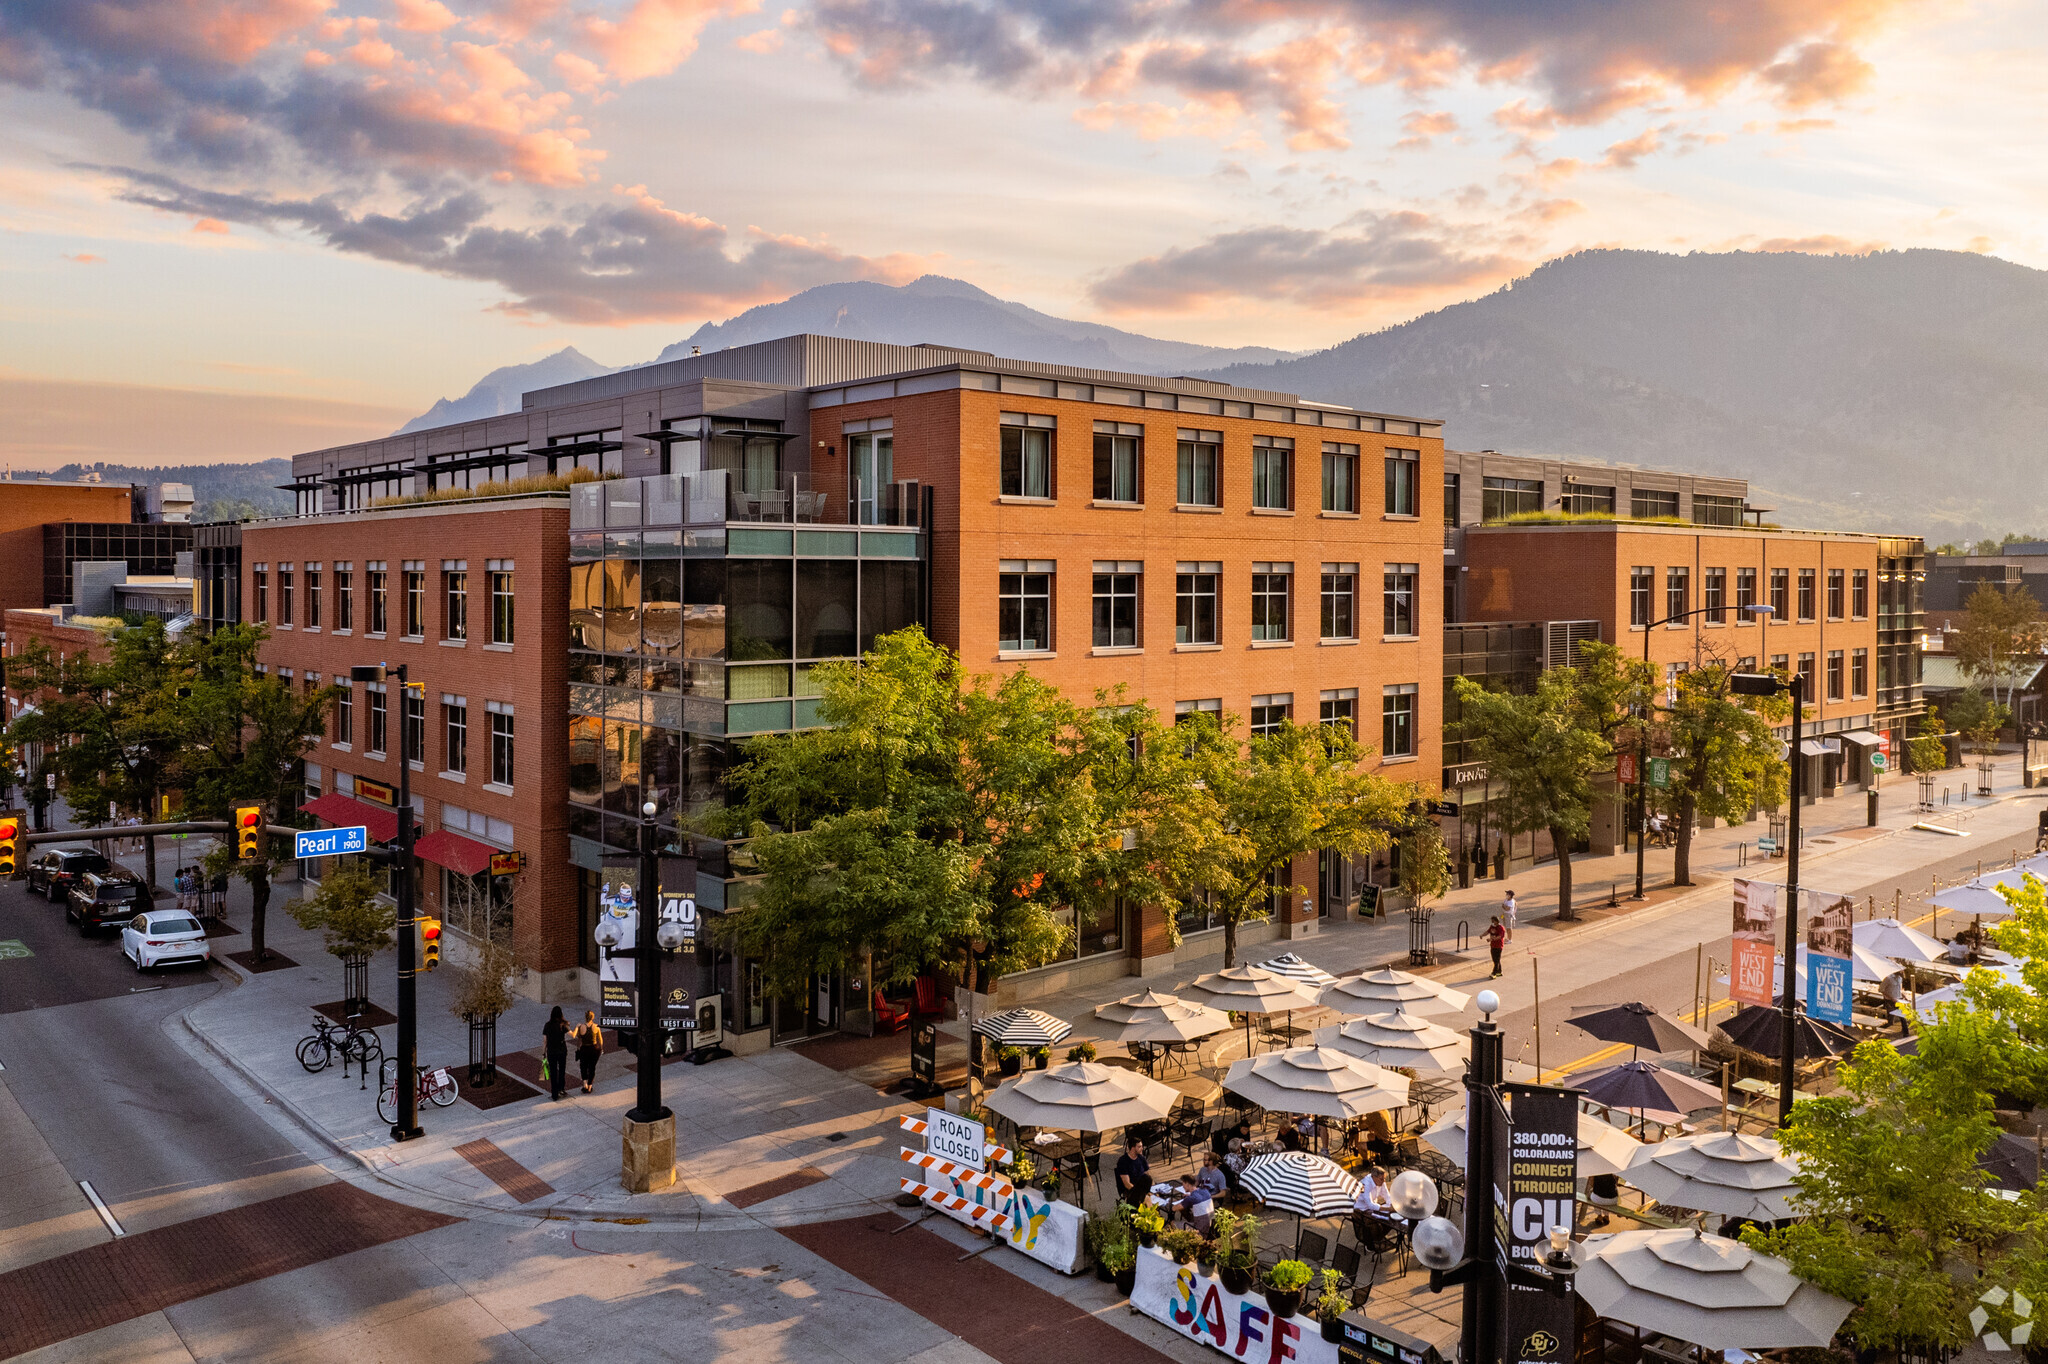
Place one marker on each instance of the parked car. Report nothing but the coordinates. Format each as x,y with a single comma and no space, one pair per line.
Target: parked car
100,898
164,937
52,872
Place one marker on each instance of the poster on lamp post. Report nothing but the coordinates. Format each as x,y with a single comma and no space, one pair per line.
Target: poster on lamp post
1535,1188
1750,964
618,902
1829,941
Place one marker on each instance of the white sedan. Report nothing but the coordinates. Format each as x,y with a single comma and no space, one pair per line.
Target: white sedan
160,937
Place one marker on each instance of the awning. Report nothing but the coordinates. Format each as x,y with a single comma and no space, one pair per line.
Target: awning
1864,737
1814,748
464,856
343,812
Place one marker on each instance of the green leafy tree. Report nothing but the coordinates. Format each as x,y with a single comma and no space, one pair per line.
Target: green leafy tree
1978,718
347,912
2000,629
1724,755
1425,864
1924,749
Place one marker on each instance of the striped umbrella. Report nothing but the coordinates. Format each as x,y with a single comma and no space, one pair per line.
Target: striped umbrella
1023,1028
1297,1182
1292,967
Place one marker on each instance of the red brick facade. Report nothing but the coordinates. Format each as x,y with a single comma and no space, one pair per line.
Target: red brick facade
24,509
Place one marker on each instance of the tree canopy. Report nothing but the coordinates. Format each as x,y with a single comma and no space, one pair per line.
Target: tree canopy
1999,629
1724,755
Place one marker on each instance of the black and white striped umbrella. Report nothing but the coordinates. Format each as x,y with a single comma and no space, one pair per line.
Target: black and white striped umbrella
1023,1028
1292,967
1303,1184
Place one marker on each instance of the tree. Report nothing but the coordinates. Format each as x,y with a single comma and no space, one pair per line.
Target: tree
484,986
1979,718
1999,629
347,911
1724,755
1924,749
1425,864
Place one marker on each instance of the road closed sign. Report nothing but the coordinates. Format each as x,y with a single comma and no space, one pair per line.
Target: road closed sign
952,1137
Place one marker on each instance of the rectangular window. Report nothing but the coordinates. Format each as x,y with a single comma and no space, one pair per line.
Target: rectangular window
1806,593
1500,498
1273,473
1745,596
1834,674
1024,605
1271,587
1453,495
312,596
1835,593
1403,468
455,599
1806,671
1859,673
1642,585
1198,469
378,718
1195,616
1859,593
455,733
415,599
501,744
259,591
1117,448
1746,664
1397,599
1677,591
1340,477
1212,707
1397,721
1780,663
413,724
1649,503
501,600
345,714
1117,597
1716,511
1027,455
344,596
1340,707
1340,601
1781,594
284,594
1271,712
1587,499
1714,594
376,579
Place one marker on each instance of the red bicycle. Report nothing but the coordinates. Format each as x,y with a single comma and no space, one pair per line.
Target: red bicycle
435,1086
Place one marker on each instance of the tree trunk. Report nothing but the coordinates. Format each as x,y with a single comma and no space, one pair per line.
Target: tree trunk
1229,943
1681,861
259,900
149,861
1561,841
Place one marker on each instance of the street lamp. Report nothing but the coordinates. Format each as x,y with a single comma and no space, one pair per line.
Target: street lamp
408,1053
1770,684
1643,734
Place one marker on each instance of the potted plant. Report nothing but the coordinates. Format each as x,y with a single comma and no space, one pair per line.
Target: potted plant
1022,1170
1148,1222
1099,1235
1084,1052
1181,1245
1205,1258
1010,1060
1237,1240
1283,1288
1332,1305
1122,1263
1041,1057
1049,1178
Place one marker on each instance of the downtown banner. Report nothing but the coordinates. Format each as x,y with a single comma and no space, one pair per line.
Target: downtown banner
1754,955
1830,939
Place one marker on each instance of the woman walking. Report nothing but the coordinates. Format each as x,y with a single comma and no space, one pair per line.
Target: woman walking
1496,938
556,1037
589,1046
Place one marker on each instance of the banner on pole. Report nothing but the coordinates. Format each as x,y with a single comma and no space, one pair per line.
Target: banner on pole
618,902
1756,920
1535,1188
1829,941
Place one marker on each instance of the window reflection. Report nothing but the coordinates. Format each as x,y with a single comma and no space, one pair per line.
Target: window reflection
825,607
757,597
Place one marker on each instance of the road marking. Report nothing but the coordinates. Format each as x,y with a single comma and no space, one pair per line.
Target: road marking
13,949
100,1206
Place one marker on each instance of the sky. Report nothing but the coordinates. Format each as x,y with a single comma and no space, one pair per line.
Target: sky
232,229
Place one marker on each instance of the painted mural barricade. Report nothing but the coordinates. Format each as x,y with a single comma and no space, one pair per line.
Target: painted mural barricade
1197,1306
1047,1230
951,1175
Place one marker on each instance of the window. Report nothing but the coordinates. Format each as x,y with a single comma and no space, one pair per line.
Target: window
455,598
1745,596
1271,712
1271,584
1340,601
345,714
1340,477
375,578
501,743
1024,606
1212,707
1746,664
1714,594
1835,593
1716,511
1859,673
870,470
455,733
284,594
1586,499
1453,492
377,718
1397,721
259,590
1402,470
1642,583
312,596
1197,469
1340,707
412,715
1805,670
1645,503
500,582
1117,447
1500,498
1834,674
1806,587
1027,455
1194,604
1859,593
1397,599
1116,603
1781,594
1273,473
344,595
1781,664
1677,591
415,599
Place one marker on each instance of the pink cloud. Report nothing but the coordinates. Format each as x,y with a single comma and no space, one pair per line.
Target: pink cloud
212,225
87,258
374,53
1423,128
763,42
424,16
655,36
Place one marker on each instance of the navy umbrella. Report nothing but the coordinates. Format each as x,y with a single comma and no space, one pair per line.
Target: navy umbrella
1648,1089
1638,1026
1759,1028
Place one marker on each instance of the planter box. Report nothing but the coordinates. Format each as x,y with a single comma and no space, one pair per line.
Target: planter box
1196,1306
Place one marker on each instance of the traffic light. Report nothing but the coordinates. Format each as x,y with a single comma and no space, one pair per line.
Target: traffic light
249,832
10,843
430,943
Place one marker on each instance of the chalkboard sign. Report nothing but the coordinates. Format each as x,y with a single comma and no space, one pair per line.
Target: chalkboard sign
924,1054
1368,898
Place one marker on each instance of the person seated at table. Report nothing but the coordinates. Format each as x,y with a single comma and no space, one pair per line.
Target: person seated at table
1221,1140
1375,1136
1133,1172
1194,1205
1373,1199
1310,1131
1212,1176
1290,1137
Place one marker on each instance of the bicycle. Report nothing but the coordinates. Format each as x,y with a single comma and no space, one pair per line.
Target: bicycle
434,1086
358,1044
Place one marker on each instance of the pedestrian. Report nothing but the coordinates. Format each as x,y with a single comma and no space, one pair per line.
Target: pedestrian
589,1046
1496,939
1133,1172
556,1037
1507,914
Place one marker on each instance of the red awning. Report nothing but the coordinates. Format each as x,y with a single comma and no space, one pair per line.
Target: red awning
464,856
343,812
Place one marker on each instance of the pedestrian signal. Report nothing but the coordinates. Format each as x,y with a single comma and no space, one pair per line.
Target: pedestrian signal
249,832
429,943
10,844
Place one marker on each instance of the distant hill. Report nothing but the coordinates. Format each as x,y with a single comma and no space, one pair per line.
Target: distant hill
1904,390
498,392
221,492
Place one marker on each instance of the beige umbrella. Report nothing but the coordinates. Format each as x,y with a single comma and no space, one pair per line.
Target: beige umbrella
1723,1172
1379,991
1081,1096
1899,942
1707,1290
1318,1081
1398,1039
1604,1149
1249,990
1154,1017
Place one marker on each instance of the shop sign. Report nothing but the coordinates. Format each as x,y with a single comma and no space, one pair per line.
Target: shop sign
376,791
508,863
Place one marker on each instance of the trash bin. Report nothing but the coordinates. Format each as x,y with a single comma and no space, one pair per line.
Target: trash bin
1871,817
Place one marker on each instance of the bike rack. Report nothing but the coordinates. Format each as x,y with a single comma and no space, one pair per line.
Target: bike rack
1464,936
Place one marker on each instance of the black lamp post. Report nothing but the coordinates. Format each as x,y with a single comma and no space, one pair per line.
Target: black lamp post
408,1051
1769,684
650,1145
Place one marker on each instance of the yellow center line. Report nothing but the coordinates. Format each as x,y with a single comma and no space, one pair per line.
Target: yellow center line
1608,1053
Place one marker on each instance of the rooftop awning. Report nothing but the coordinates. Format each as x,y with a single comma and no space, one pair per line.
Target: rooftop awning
739,434
347,476
1864,737
464,856
667,436
580,447
342,812
461,462
1814,748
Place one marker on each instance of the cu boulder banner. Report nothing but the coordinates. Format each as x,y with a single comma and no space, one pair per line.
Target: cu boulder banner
1535,1188
1830,939
618,901
1756,920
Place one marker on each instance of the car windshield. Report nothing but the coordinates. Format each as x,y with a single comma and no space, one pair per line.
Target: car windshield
174,926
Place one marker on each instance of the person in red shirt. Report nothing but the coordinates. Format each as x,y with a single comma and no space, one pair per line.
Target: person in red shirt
1496,938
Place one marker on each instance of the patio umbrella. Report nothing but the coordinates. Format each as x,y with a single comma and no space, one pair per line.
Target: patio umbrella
1707,1290
2013,1163
1153,1017
1723,1172
1292,967
1384,989
1949,994
1897,941
1637,1026
1318,1081
1646,1089
1023,1028
1980,897
1081,1096
1604,1149
1303,1184
1249,990
1398,1039
1758,1028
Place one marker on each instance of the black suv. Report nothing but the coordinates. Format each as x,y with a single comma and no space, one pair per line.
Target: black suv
53,872
102,898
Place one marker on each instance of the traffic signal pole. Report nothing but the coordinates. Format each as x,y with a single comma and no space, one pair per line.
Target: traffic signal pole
408,1125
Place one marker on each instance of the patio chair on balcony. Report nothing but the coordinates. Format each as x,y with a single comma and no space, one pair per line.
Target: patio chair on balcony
774,505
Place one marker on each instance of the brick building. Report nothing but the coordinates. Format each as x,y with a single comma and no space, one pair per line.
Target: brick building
27,507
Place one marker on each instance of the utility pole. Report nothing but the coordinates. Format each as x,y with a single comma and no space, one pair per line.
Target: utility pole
408,1050
1787,1026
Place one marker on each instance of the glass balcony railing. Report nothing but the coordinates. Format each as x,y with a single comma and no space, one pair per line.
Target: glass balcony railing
711,498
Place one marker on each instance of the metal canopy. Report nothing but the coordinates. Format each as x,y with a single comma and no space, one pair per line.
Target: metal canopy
449,466
581,447
777,436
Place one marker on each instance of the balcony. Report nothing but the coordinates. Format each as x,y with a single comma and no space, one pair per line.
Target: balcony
718,497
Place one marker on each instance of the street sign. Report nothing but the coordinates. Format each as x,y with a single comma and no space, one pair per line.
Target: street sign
955,1138
1879,762
331,842
1660,772
1767,847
